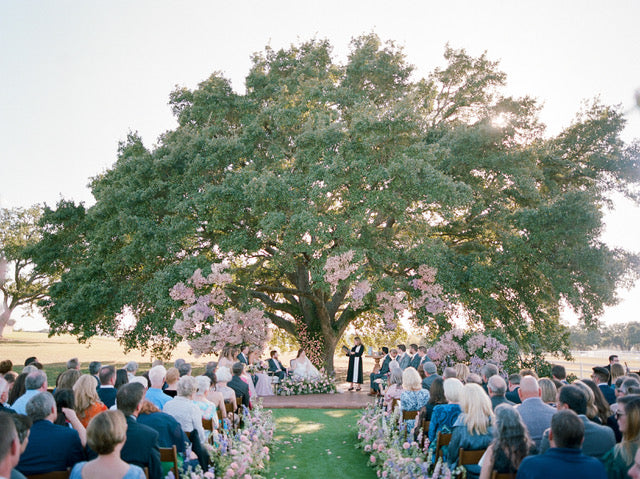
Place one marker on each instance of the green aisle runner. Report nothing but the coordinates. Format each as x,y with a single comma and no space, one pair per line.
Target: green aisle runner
317,443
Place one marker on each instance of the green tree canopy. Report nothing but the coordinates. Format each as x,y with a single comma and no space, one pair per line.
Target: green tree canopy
319,158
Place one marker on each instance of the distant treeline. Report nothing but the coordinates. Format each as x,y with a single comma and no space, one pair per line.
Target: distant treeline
616,336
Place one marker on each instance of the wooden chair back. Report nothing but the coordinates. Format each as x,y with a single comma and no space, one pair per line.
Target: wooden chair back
394,404
207,424
466,457
442,440
239,403
409,415
220,414
51,475
503,475
425,431
170,454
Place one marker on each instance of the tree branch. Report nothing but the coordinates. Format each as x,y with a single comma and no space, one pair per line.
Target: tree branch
282,323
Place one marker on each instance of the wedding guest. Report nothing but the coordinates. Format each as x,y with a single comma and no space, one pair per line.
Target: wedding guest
169,430
212,394
510,445
473,428
185,369
4,396
94,370
227,357
604,415
171,379
157,375
68,378
223,375
430,373
444,416
634,471
436,398
5,366
18,388
548,390
73,363
413,398
462,371
9,445
559,373
564,459
107,391
497,387
617,371
535,414
122,378
131,368
487,371
34,383
87,401
394,388
620,458
106,435
448,373
207,408
240,387
184,409
354,371
50,447
141,446
602,379
513,387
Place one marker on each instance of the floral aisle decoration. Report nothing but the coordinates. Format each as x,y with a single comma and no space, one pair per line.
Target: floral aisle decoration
473,348
382,436
293,385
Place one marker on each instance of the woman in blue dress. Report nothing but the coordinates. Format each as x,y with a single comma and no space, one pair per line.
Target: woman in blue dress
444,416
106,434
414,397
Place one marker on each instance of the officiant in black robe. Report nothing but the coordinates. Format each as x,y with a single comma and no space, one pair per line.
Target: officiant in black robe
354,373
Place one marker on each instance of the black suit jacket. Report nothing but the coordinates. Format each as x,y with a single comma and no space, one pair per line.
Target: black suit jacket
415,362
384,369
141,448
241,388
107,396
242,358
169,430
50,448
497,400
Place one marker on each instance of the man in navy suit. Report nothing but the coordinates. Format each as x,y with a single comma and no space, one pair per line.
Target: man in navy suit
50,447
141,447
276,367
242,357
107,391
415,359
600,376
384,370
9,445
238,385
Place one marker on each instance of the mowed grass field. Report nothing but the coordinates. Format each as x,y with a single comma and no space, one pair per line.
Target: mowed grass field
53,353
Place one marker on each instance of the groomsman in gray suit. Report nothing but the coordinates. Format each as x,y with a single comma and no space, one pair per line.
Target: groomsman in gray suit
534,413
403,358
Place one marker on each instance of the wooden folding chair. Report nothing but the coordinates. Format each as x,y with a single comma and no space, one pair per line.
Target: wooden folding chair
170,454
466,457
220,415
51,475
207,425
394,404
503,475
442,440
409,415
425,432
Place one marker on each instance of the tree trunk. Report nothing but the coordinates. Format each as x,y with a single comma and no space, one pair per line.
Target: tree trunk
329,350
5,317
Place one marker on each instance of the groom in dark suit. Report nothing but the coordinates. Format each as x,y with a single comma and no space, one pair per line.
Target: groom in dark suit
276,367
242,357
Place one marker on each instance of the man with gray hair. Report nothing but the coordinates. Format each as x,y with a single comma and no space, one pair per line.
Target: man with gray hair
73,363
131,368
9,445
184,369
431,374
50,447
154,394
448,373
535,414
35,382
486,372
497,387
94,370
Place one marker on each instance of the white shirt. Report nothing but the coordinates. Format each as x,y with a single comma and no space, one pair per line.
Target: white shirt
187,413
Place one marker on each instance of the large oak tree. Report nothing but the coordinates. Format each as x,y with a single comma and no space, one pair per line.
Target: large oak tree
318,158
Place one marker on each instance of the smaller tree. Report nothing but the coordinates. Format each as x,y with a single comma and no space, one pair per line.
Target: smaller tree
20,283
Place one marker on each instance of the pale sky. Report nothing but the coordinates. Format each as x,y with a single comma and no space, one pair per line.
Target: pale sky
76,76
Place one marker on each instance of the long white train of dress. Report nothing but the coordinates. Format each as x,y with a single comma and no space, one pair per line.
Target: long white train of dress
304,369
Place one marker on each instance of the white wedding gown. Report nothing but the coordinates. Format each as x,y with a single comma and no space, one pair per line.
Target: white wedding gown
305,370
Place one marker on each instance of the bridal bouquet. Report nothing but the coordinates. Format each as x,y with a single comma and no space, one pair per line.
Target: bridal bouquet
293,386
383,436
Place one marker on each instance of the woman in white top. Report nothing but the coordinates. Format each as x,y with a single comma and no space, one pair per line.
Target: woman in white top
184,409
303,367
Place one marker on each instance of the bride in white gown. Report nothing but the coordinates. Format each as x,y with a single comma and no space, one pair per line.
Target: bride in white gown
303,368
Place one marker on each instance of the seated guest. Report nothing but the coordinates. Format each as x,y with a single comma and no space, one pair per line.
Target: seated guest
276,367
73,363
50,447
23,427
620,458
223,376
207,408
131,368
472,430
549,392
184,369
444,416
513,387
87,401
6,365
4,396
155,395
212,395
535,414
238,385
34,383
510,445
382,373
564,459
394,388
68,379
94,370
107,391
9,445
462,371
487,371
601,376
617,372
169,430
559,373
449,373
436,398
497,387
183,409
141,446
413,398
474,378
122,378
430,373
66,413
18,388
598,440
106,434
173,375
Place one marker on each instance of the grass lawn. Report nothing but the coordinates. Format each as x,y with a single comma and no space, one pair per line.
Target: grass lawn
317,443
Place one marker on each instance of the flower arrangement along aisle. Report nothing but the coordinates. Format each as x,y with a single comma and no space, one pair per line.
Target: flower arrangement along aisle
293,386
240,454
383,436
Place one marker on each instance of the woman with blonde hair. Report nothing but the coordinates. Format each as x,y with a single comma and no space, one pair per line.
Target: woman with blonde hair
549,391
67,379
87,401
106,435
617,371
444,416
462,372
472,430
592,410
621,457
413,398
172,377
